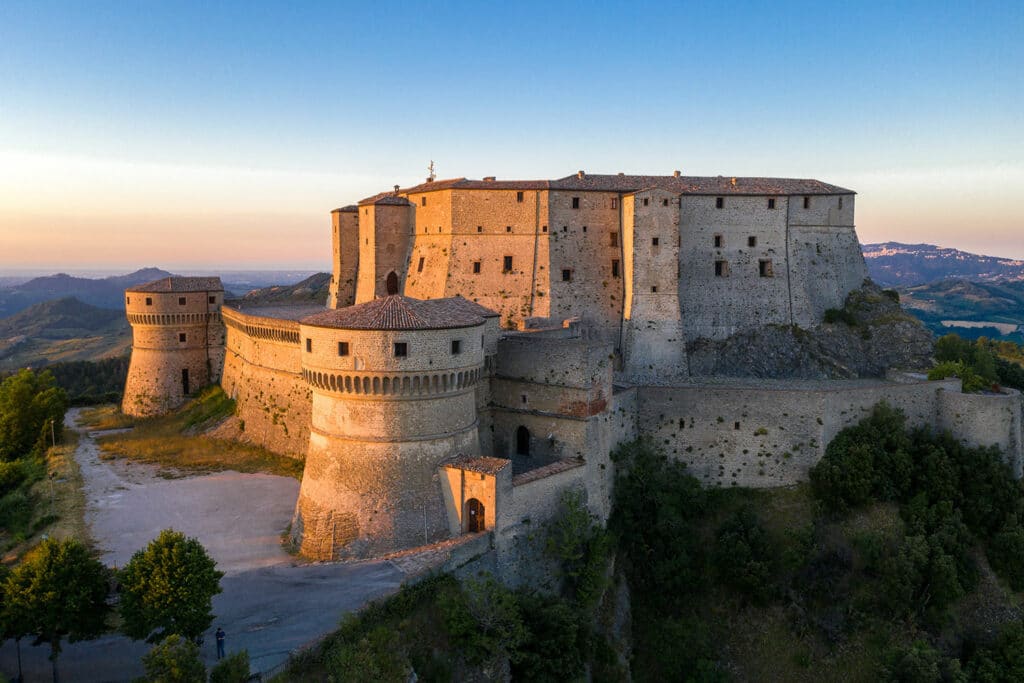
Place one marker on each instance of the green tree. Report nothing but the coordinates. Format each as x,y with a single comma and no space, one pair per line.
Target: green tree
168,587
29,403
743,554
175,660
232,669
577,540
58,591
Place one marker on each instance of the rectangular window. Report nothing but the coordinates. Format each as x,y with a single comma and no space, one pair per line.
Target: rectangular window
457,343
771,202
646,201
764,268
213,299
127,299
342,348
508,228
613,239
476,267
566,275
719,241
181,301
507,264
615,267
182,336
719,202
721,269
401,349
615,202
807,202
654,289
423,201
309,345
751,241
654,241
584,228
149,301
543,228
840,202
419,266
519,197
664,202
565,228
575,202
479,228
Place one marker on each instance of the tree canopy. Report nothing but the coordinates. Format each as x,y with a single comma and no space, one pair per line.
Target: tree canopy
29,402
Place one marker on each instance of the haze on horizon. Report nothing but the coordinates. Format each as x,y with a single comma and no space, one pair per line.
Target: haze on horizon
189,135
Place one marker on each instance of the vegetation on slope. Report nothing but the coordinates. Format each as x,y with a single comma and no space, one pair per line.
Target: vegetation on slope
62,330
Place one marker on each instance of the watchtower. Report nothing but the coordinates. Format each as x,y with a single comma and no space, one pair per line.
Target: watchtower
177,342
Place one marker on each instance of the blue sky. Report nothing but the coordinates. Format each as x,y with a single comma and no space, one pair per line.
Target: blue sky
220,134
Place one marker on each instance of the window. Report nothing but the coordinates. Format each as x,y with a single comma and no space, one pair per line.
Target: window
522,398
127,299
736,425
840,202
479,228
807,202
419,266
664,202
519,197
654,241
182,336
342,348
401,349
423,201
181,301
565,228
543,228
719,202
613,239
575,202
149,301
764,268
566,275
615,267
456,346
507,265
309,345
719,241
646,201
654,289
615,202
771,202
752,241
721,269
476,267
508,228
213,299
584,228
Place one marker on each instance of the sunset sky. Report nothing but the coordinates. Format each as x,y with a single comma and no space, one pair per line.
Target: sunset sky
220,135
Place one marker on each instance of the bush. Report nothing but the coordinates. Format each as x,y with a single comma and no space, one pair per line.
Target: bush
483,620
376,657
581,546
1005,553
556,643
917,663
11,475
232,669
840,315
1003,660
743,555
970,381
175,660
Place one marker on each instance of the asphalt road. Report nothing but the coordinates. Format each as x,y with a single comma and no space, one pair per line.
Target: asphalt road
270,605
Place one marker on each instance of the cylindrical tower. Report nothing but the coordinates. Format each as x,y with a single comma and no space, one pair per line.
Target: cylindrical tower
393,383
177,342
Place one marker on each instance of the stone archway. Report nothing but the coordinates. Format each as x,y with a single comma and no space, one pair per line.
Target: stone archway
475,516
391,283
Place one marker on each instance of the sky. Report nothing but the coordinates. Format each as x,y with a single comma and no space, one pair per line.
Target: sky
220,135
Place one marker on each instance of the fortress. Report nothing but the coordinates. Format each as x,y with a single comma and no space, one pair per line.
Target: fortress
487,344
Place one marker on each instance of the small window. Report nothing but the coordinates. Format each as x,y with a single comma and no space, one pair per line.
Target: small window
476,267
519,197
575,202
149,301
719,241
401,349
419,266
615,267
654,241
752,241
342,348
439,228
213,299
807,202
721,269
736,425
423,201
127,299
840,202
181,301
522,398
182,336
664,202
646,201
615,202
764,268
566,275
309,345
771,202
613,239
543,228
565,228
456,346
507,264
654,289
719,202
508,228
479,228
584,228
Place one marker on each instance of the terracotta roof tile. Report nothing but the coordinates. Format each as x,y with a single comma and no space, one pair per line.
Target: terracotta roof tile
483,464
180,284
403,313
716,185
384,198
351,208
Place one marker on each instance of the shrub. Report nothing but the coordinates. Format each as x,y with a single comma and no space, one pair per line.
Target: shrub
376,657
232,669
556,641
482,619
11,475
1006,554
175,660
970,381
743,554
916,663
577,540
840,315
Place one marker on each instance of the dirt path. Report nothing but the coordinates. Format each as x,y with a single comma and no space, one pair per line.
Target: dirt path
269,606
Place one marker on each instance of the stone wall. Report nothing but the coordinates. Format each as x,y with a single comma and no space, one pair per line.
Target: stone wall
344,257
986,420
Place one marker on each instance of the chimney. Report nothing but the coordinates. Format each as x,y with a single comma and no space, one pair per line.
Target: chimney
676,174
734,182
396,189
489,178
430,179
581,175
621,173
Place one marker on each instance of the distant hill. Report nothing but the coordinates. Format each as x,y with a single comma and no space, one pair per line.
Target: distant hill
893,263
61,330
105,292
971,309
312,290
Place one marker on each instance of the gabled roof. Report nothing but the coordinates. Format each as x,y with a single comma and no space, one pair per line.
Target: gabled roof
351,208
384,198
180,284
713,185
398,312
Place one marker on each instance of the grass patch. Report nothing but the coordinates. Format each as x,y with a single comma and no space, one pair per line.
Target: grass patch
104,417
175,441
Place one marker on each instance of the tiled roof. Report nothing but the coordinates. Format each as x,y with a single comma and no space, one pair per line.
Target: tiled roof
402,313
483,464
717,185
351,208
387,198
181,284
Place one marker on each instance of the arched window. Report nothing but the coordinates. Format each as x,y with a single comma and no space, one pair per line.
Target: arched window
475,516
522,441
392,283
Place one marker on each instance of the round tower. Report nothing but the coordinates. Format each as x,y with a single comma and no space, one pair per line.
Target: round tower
177,342
393,383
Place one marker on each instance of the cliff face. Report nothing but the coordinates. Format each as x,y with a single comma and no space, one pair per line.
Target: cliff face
870,335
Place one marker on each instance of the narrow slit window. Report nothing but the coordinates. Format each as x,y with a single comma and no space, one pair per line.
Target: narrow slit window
342,348
719,202
654,289
615,202
584,228
771,202
519,197
127,299
807,202
401,349
575,202
419,266
615,267
543,228
507,264
309,345
476,267
423,201
840,202
719,241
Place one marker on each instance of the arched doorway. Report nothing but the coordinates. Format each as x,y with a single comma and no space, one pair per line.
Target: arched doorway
392,283
474,516
522,441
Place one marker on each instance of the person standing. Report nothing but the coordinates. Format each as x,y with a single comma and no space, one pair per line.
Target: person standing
220,642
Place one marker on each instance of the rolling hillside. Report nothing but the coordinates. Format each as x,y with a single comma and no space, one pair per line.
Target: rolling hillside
895,264
105,292
62,330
